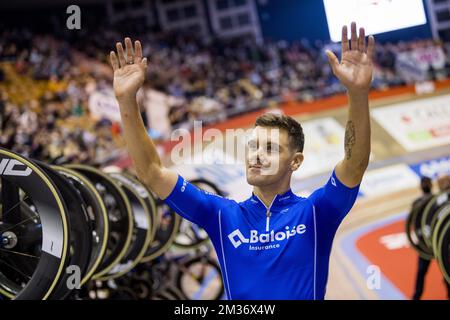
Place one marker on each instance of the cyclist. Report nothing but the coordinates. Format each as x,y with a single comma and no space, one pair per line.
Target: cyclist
274,245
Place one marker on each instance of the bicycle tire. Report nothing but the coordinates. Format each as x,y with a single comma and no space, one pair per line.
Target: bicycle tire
97,215
414,231
429,213
142,232
53,218
119,215
148,197
443,248
202,260
442,216
80,233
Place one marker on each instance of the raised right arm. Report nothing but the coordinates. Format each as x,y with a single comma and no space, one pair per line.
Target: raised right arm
129,75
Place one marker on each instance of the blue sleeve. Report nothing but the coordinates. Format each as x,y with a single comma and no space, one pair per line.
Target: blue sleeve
194,204
334,200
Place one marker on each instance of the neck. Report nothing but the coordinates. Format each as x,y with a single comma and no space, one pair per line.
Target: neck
267,193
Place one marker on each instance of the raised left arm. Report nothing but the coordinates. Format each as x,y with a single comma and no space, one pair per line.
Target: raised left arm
355,73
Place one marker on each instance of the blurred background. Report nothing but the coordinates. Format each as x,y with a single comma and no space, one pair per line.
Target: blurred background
225,62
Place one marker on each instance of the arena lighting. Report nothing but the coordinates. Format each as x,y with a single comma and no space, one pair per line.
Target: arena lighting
377,16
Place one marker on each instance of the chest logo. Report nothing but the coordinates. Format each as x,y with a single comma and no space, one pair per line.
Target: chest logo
237,238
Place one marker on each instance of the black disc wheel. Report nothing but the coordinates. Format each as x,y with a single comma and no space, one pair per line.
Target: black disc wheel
441,218
34,230
443,248
120,217
430,216
142,232
80,233
97,214
414,229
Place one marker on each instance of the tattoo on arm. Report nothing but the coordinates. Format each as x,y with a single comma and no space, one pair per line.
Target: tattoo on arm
350,139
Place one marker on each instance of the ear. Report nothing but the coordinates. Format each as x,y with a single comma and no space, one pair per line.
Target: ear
297,161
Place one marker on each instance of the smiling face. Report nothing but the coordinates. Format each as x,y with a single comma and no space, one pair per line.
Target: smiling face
270,156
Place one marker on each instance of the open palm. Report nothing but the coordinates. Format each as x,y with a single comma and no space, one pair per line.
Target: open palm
356,66
129,69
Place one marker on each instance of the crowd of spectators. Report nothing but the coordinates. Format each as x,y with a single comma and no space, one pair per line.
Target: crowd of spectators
45,84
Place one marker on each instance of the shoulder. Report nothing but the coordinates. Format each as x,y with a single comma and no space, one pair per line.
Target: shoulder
224,203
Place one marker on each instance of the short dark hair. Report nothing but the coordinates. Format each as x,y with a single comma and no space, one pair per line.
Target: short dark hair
426,180
426,184
292,127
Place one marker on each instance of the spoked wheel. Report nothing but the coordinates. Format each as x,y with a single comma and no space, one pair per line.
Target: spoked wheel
34,238
168,224
98,217
143,229
200,279
119,215
414,230
191,235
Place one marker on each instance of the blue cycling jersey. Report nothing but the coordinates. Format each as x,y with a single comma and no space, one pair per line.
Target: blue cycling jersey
276,252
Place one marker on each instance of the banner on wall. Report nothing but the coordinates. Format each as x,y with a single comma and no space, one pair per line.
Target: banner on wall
413,66
157,105
408,69
431,56
387,180
418,124
432,168
103,105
